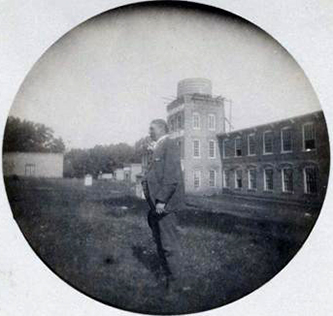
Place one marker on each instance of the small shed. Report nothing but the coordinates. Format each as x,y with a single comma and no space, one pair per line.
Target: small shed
119,174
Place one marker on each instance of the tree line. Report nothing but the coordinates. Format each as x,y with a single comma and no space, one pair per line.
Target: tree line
27,136
105,159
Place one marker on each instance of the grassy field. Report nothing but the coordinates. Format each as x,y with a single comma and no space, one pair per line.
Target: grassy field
98,240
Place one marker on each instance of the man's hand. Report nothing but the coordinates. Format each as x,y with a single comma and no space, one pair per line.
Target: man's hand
160,208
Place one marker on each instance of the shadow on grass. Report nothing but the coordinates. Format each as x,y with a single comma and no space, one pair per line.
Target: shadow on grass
149,259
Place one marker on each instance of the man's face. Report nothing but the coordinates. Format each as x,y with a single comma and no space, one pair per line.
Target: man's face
155,132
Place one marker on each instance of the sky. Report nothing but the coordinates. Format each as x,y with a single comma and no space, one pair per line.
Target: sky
105,80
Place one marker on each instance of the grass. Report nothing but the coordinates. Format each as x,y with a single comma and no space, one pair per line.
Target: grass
98,240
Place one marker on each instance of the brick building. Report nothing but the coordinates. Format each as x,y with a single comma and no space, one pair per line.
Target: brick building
195,117
287,159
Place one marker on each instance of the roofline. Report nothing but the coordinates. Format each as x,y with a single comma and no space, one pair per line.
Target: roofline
268,123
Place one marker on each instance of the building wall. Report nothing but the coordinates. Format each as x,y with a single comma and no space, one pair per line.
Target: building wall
119,174
106,176
47,165
297,159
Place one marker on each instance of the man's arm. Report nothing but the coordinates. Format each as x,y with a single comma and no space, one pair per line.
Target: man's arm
145,188
171,173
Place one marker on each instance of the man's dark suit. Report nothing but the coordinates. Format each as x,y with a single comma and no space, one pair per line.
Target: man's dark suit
164,183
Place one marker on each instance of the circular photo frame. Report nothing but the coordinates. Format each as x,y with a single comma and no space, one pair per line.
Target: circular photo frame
166,157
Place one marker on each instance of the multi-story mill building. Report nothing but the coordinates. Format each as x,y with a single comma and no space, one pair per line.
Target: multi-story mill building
195,118
287,159
282,160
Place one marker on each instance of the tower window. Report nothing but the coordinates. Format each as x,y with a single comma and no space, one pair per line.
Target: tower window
286,140
309,141
212,149
196,121
310,180
179,121
172,125
180,144
268,142
211,122
212,178
196,148
287,180
238,147
196,178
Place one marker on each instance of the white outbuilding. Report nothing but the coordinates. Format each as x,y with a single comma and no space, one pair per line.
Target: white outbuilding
33,164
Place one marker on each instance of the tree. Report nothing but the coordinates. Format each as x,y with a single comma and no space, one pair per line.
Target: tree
27,136
106,159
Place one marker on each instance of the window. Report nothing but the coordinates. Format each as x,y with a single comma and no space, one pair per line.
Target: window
211,122
30,170
179,121
309,142
226,178
212,178
238,179
197,179
268,179
196,121
238,147
252,176
268,142
228,149
172,125
196,148
212,149
310,180
286,140
181,148
287,180
251,144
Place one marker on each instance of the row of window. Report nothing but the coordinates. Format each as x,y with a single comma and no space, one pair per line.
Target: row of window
197,178
196,121
196,148
235,147
177,122
309,174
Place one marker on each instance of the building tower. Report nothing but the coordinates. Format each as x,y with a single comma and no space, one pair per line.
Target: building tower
195,118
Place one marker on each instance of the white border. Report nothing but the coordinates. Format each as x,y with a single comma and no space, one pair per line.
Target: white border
303,27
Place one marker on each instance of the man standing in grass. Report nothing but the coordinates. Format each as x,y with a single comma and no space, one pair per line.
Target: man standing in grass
163,188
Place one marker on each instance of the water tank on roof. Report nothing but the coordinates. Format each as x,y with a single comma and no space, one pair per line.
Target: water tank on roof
194,85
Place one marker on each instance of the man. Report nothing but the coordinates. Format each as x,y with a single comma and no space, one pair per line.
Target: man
163,188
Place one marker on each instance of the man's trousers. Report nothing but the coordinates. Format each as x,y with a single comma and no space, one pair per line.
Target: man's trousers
166,237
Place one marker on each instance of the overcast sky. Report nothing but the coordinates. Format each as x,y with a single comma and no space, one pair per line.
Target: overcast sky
105,80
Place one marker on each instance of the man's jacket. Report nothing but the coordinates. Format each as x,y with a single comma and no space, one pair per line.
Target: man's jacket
163,181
